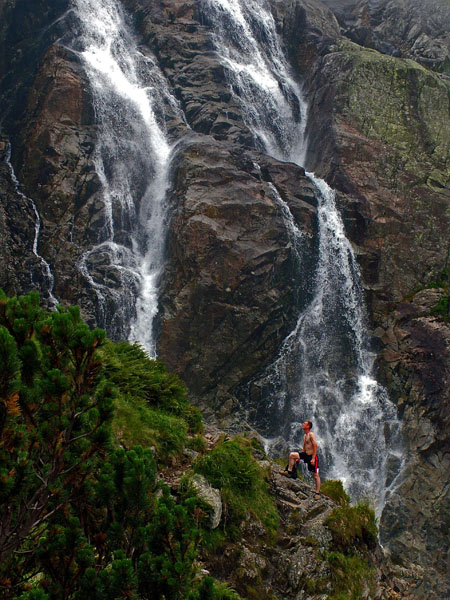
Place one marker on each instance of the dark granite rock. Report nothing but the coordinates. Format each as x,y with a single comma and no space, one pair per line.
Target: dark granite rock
231,283
403,28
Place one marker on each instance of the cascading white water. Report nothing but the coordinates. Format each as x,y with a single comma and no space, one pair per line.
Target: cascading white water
245,37
333,380
132,161
48,275
324,369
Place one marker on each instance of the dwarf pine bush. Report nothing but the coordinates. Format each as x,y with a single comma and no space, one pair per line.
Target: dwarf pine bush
81,518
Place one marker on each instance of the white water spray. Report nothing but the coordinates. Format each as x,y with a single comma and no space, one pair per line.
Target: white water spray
324,369
132,161
48,275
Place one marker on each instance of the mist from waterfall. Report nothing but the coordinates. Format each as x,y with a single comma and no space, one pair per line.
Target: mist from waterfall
324,369
132,160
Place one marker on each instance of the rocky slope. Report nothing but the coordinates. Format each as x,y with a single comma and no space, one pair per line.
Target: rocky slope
390,141
306,559
379,131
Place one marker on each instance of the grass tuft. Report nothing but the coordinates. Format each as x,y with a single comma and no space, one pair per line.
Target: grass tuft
353,527
351,576
231,468
335,490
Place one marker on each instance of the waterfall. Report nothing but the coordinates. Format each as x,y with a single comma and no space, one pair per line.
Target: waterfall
47,272
258,75
323,372
132,160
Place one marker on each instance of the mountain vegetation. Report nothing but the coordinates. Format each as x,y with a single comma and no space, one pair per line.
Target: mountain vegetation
91,433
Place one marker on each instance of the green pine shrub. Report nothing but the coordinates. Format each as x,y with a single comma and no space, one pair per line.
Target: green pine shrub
79,516
335,490
55,413
167,570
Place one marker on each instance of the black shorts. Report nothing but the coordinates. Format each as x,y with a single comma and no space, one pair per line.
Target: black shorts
312,467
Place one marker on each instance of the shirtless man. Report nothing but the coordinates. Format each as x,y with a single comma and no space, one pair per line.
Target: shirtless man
308,455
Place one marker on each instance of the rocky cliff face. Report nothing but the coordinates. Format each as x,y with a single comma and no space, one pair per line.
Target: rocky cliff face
402,28
379,132
390,141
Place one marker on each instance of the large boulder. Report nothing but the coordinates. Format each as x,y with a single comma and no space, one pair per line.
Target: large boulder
211,496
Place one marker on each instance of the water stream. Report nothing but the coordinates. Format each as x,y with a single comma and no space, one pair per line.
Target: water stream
47,272
323,372
131,99
324,369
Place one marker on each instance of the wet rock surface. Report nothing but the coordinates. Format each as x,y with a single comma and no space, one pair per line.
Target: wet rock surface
415,364
394,182
232,286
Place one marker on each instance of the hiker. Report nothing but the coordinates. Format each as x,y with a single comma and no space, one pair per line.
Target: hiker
307,455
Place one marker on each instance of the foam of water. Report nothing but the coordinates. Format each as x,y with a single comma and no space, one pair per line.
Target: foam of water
258,75
132,161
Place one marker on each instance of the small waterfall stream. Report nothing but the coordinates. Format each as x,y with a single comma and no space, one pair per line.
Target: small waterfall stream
47,272
324,368
131,99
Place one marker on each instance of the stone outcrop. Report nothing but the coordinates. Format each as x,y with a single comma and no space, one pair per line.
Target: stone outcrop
231,293
403,28
49,129
297,564
211,497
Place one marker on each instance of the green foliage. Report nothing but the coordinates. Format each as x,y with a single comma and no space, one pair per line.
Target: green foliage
349,575
335,490
136,423
231,468
210,589
80,519
197,443
140,378
167,569
54,420
353,527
